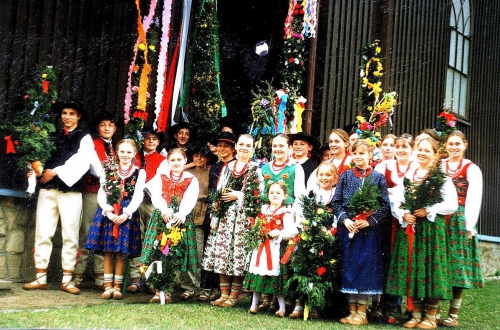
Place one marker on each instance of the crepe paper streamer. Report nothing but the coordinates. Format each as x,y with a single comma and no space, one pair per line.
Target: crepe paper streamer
35,106
159,269
281,119
9,145
162,297
144,26
216,62
288,20
182,56
306,308
168,91
310,9
162,59
299,107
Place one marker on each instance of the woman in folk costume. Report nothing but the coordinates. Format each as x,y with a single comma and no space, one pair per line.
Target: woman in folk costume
338,142
419,267
266,274
361,238
394,171
463,249
174,193
225,251
115,230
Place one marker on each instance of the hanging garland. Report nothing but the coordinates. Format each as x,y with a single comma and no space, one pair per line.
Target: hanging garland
376,107
202,78
30,127
136,96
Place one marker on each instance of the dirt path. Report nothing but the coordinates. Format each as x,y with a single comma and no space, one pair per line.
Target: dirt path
19,299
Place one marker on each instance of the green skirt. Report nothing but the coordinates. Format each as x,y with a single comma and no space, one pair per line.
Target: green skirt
464,254
187,244
268,284
430,273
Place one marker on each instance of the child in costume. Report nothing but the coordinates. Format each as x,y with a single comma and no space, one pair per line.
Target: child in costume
360,238
115,230
171,186
266,274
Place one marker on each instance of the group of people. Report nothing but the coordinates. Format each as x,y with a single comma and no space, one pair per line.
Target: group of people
425,253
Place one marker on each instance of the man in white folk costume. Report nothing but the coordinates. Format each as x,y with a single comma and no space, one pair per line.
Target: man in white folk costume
60,195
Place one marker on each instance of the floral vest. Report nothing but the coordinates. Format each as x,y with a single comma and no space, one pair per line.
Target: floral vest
286,176
461,184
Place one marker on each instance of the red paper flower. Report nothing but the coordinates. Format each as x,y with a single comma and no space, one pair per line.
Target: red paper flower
321,271
256,193
291,59
365,126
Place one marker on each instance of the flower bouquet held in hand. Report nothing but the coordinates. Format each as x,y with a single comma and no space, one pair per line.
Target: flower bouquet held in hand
313,262
364,202
112,187
162,263
419,195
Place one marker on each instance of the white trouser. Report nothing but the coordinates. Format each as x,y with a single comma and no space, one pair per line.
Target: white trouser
53,204
89,209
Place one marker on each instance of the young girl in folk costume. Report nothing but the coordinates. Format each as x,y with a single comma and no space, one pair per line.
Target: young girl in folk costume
266,274
339,144
115,234
225,250
394,171
463,249
170,185
419,267
284,170
361,239
327,178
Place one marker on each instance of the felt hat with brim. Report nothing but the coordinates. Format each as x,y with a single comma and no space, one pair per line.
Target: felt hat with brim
147,130
175,128
58,107
226,137
303,136
106,116
204,150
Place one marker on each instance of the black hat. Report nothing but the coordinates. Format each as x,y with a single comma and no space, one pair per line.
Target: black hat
175,128
150,130
226,137
303,136
205,151
58,107
105,116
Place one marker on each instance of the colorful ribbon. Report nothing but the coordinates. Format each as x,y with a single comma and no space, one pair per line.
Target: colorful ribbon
265,245
143,27
162,59
289,250
410,231
9,145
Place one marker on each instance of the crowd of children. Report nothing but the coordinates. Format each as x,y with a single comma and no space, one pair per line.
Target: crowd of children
405,227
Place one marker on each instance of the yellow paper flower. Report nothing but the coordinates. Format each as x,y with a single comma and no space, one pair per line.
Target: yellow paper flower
142,46
361,119
303,236
175,235
44,75
378,50
377,134
305,222
333,261
320,211
152,48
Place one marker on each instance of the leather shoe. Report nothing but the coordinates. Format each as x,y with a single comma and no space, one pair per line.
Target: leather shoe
35,285
70,288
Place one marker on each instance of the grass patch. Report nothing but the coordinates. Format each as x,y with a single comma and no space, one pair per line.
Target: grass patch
479,310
